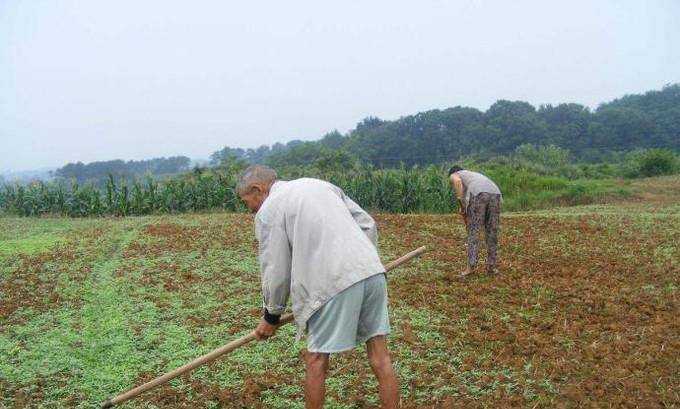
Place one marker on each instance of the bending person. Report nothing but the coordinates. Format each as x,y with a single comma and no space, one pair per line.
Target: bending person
318,246
480,205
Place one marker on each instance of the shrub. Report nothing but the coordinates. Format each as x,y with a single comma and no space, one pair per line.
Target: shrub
548,156
656,162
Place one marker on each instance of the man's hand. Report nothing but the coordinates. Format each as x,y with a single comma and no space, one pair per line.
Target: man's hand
264,330
462,213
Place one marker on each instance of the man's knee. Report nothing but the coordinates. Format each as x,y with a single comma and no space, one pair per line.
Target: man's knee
382,366
379,359
316,361
381,362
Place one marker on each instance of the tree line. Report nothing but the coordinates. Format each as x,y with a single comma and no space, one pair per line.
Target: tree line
641,121
100,171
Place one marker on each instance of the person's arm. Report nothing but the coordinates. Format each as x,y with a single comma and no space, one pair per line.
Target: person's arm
363,219
460,196
460,192
275,264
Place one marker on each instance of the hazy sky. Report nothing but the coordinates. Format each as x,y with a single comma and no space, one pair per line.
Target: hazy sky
98,80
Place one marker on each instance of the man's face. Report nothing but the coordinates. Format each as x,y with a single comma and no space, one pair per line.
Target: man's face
255,197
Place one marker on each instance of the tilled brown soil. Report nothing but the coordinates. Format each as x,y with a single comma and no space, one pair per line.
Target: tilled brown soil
597,284
583,301
35,278
583,313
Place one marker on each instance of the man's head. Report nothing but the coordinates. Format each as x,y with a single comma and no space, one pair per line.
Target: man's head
452,171
254,184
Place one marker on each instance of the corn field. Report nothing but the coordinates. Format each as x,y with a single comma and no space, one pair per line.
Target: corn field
402,190
398,191
181,194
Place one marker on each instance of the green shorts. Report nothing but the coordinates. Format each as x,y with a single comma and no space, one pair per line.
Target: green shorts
352,317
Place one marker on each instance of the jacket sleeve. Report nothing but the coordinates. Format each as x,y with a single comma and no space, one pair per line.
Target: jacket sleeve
363,219
275,265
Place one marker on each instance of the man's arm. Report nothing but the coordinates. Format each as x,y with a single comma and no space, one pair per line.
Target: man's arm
363,219
275,264
458,187
460,192
460,196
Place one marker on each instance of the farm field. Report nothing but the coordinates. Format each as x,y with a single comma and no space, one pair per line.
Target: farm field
584,313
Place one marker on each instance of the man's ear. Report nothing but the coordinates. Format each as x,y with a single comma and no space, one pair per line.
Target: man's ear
256,189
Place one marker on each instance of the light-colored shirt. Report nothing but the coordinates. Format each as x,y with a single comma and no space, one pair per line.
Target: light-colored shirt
475,183
314,242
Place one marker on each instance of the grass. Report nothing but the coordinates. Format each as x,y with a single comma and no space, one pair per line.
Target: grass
31,236
30,245
583,314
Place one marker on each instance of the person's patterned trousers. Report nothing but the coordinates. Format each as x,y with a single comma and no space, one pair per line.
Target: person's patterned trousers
483,210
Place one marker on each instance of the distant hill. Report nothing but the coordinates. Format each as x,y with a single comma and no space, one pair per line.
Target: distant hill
650,120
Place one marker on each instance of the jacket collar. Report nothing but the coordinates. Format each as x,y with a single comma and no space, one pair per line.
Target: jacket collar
275,186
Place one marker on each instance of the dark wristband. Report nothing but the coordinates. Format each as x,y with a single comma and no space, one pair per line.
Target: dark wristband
271,318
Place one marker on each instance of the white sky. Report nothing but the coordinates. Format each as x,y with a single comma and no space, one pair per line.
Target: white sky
98,80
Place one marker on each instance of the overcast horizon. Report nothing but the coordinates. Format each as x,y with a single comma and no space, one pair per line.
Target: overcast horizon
102,80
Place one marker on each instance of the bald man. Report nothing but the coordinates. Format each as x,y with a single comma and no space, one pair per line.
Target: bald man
318,247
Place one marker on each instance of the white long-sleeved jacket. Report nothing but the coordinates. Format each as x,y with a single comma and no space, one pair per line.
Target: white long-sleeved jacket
314,242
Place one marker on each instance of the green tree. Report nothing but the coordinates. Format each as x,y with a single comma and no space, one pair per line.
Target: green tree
335,160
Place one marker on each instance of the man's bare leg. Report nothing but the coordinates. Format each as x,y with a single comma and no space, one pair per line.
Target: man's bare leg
379,357
315,383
